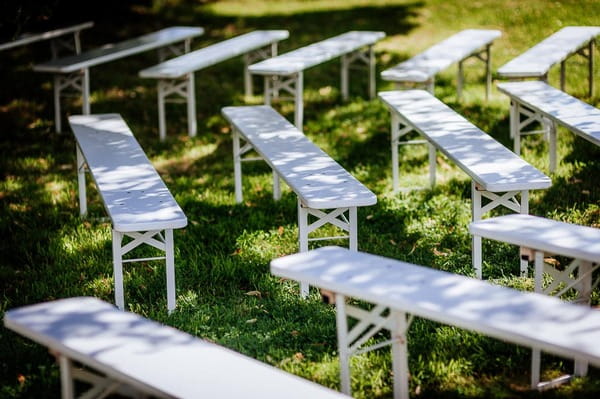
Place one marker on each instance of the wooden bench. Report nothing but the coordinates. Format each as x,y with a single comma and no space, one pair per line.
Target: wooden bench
285,72
537,61
325,190
126,353
532,102
176,76
538,237
497,174
136,199
73,72
422,68
55,36
398,289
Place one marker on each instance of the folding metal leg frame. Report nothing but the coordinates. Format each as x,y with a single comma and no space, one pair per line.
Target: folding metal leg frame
80,82
154,238
101,386
590,56
399,128
578,276
369,323
344,218
59,43
518,124
252,57
484,55
294,83
508,200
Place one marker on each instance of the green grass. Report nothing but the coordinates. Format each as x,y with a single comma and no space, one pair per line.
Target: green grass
225,292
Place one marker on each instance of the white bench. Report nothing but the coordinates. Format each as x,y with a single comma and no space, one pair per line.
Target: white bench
136,199
537,61
55,37
538,102
422,68
497,174
176,76
285,72
124,352
538,237
397,290
320,183
73,71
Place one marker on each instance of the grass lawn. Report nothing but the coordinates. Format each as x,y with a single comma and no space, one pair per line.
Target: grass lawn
225,292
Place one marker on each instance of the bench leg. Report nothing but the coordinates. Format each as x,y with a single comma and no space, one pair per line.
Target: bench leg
303,241
515,132
552,146
343,344
476,244
162,124
237,166
81,166
191,105
344,76
400,355
117,239
276,187
85,91
591,66
432,164
459,81
488,71
563,67
66,377
298,101
248,90
170,269
372,81
57,116
353,228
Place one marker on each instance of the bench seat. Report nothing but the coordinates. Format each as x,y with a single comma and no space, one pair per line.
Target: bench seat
73,71
176,76
55,37
524,318
556,48
122,350
422,68
285,72
497,173
539,237
319,182
539,102
136,199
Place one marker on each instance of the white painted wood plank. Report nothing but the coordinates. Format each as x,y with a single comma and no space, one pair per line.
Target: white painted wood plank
550,236
179,66
557,47
579,117
36,37
319,181
525,318
155,358
425,65
134,195
316,53
123,49
485,160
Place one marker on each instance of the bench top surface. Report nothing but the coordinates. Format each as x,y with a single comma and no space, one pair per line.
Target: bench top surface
110,52
551,236
485,160
153,357
316,53
579,117
536,61
213,54
525,318
457,47
36,37
134,195
319,181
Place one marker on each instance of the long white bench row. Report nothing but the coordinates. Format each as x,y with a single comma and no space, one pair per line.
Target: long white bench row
73,72
422,68
533,102
55,36
538,237
123,352
537,61
285,72
398,291
136,199
497,174
325,190
176,76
